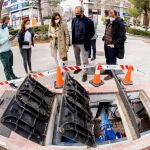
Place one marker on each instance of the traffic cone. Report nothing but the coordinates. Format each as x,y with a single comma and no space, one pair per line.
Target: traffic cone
58,84
127,80
97,78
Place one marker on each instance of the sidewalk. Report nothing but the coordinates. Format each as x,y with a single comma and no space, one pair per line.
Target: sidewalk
137,53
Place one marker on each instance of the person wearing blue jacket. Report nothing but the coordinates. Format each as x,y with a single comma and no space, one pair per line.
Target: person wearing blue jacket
6,55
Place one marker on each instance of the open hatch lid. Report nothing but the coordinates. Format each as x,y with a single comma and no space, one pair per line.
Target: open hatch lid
29,111
75,120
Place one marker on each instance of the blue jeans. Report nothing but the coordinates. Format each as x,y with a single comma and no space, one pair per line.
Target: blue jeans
111,59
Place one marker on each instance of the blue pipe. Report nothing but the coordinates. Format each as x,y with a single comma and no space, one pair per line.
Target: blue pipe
106,127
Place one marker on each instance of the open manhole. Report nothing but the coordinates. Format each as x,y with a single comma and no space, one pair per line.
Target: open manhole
73,118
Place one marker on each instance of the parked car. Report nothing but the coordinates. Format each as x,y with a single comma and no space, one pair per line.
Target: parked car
126,24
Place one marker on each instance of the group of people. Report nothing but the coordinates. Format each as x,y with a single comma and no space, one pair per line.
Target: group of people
26,41
83,40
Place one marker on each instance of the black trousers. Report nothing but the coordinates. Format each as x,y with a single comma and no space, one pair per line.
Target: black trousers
26,56
7,62
111,59
93,46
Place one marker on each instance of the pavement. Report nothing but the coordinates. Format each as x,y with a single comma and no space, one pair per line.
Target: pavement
137,52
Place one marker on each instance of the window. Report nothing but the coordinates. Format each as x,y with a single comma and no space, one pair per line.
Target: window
13,8
5,3
24,5
13,1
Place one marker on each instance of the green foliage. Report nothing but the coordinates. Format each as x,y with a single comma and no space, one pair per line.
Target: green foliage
54,2
126,19
138,32
13,32
47,17
141,4
40,30
133,12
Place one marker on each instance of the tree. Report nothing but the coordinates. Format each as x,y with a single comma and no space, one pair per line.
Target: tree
40,12
143,6
133,12
1,6
39,4
52,5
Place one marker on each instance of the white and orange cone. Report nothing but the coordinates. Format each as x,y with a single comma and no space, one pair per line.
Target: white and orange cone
58,84
127,80
97,77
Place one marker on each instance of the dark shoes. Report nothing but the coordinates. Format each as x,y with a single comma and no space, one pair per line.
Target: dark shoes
92,59
13,86
32,72
15,78
103,72
84,78
77,71
108,77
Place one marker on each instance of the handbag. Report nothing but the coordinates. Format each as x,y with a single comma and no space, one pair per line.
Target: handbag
120,53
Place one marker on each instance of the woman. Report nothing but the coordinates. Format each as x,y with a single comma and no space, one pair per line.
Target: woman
25,39
59,38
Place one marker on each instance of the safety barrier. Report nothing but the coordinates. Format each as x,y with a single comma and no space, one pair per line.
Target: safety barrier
73,68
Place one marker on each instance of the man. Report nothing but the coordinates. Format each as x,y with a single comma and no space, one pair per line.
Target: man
6,55
114,39
93,40
82,33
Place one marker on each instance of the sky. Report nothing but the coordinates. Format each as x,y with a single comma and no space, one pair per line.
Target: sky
69,3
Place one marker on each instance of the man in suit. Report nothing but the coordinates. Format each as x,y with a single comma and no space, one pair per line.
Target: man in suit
82,33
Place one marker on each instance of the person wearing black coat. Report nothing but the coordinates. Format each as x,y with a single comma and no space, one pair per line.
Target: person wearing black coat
82,33
26,41
114,40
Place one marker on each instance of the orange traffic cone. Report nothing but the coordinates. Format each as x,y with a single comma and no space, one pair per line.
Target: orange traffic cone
97,78
127,80
58,84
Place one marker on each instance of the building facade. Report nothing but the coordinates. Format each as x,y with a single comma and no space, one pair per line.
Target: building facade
19,10
101,7
49,7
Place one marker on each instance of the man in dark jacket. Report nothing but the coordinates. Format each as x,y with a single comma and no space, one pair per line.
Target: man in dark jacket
114,39
82,33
